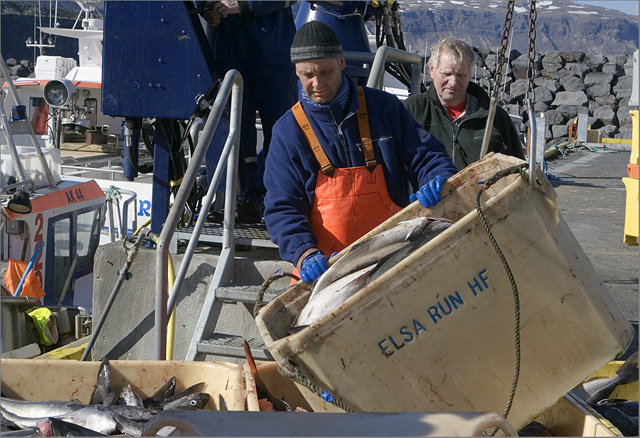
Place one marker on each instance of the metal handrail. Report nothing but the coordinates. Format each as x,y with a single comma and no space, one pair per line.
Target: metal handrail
232,86
383,55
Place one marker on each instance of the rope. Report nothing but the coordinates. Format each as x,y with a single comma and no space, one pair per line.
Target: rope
265,285
297,374
520,169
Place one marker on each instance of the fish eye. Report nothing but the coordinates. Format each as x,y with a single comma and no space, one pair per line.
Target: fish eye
193,403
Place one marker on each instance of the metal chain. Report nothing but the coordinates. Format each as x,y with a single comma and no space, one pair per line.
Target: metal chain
497,80
519,169
506,31
533,14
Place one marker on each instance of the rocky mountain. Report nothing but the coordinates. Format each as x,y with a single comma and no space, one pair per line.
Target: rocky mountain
560,25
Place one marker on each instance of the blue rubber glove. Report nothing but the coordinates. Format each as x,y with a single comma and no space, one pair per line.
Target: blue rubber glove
429,194
313,266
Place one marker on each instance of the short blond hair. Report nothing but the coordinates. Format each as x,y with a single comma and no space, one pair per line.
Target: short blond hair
458,49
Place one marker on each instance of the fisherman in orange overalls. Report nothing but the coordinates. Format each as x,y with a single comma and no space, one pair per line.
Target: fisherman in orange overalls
343,159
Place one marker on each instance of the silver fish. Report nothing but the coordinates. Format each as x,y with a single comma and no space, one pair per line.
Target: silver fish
371,259
133,412
369,251
185,392
164,392
128,397
102,394
330,297
130,427
47,408
59,427
97,418
197,400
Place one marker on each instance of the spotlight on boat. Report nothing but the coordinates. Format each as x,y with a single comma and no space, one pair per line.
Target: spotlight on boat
20,202
59,92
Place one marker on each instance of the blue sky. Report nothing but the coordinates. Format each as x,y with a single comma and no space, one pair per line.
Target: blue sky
626,6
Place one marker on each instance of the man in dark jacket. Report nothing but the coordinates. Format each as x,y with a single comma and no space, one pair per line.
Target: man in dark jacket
343,159
455,110
254,37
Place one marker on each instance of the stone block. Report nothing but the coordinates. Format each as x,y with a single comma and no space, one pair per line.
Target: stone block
559,131
518,89
571,111
572,83
624,86
609,131
554,117
572,98
578,68
606,115
625,131
623,115
543,94
598,78
552,57
572,56
595,61
598,90
613,68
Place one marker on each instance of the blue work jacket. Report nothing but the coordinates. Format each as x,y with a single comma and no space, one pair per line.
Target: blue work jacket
409,155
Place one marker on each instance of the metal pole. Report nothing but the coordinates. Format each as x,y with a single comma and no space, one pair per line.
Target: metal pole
132,253
206,203
533,138
162,247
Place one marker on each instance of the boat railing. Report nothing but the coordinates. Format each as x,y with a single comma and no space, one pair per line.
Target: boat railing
231,88
379,59
15,157
115,194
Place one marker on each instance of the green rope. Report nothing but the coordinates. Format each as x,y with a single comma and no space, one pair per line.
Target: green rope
519,169
265,285
113,192
297,374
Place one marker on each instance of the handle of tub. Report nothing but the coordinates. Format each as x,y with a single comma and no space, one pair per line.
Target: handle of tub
493,420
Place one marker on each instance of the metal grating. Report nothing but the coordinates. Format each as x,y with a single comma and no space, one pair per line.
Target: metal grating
244,234
233,346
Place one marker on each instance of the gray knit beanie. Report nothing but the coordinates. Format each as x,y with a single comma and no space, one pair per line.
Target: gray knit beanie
315,40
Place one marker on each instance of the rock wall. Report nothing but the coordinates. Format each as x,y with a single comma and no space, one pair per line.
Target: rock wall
566,83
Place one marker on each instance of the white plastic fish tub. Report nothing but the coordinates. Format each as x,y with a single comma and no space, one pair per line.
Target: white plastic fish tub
570,416
36,380
436,332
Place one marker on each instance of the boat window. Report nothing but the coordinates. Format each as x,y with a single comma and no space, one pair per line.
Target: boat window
91,110
88,236
62,255
39,115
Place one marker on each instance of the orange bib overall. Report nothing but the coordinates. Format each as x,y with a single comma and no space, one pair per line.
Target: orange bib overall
349,202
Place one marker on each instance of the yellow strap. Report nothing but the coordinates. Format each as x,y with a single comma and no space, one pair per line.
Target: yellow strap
365,132
318,152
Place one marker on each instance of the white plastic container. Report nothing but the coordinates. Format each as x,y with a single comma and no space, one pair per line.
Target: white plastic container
32,165
53,67
436,332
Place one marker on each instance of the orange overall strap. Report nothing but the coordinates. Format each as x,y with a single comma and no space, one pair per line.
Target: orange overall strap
321,156
365,132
